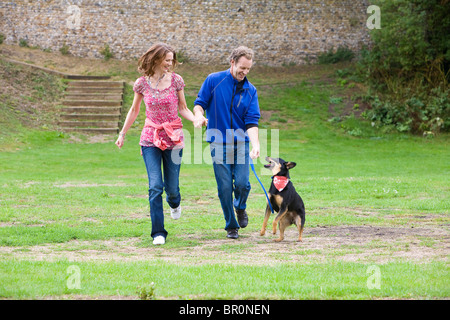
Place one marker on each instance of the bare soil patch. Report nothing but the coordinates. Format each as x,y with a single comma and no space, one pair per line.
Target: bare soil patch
366,244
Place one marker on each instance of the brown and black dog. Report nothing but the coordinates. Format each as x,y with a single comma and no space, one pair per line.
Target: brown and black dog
284,199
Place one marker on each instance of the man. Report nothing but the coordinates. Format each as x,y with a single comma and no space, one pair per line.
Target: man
232,115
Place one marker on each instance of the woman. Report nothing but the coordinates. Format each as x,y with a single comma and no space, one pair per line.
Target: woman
162,136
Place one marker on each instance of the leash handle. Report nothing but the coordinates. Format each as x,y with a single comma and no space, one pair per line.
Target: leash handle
262,186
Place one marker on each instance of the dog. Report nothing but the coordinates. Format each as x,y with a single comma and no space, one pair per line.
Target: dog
284,199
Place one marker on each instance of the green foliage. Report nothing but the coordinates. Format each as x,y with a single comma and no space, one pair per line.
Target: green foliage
414,113
408,66
106,52
182,56
64,49
23,43
146,292
335,99
340,55
413,41
2,38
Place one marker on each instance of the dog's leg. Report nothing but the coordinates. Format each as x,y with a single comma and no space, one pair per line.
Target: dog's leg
266,218
284,223
280,216
299,223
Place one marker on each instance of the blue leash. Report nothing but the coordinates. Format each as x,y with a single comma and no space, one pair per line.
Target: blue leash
262,186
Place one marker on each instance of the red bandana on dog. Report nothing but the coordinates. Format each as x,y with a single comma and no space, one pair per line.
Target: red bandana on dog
280,182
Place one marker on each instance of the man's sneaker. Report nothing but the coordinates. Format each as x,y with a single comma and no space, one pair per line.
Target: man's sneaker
175,213
158,240
242,218
232,233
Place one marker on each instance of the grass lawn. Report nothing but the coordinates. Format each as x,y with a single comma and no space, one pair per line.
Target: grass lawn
74,218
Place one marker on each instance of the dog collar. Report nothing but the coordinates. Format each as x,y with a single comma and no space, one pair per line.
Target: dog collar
280,182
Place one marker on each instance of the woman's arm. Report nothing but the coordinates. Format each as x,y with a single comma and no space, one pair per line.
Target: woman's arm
198,119
182,107
131,117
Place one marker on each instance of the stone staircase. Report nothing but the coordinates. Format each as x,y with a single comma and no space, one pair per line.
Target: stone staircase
92,106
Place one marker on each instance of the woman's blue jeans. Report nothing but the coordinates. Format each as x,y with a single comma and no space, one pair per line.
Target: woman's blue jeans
153,157
231,169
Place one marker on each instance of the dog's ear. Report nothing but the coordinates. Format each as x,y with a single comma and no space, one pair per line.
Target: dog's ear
290,165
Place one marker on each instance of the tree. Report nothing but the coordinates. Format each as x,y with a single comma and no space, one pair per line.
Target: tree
408,65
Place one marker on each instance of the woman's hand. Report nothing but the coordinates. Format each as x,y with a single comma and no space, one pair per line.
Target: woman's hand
120,141
200,121
131,117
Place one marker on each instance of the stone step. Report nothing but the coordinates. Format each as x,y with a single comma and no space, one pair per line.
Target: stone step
88,124
90,117
92,130
94,90
97,103
77,77
94,96
96,84
92,106
90,110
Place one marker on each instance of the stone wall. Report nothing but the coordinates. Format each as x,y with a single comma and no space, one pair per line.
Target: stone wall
279,31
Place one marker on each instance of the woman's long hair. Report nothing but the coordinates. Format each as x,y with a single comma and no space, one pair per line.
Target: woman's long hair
153,57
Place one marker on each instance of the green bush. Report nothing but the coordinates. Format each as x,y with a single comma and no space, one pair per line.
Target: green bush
23,43
146,292
182,56
416,112
107,53
331,57
413,42
64,49
407,67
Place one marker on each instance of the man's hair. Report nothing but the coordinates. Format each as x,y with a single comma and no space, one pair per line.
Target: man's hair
241,52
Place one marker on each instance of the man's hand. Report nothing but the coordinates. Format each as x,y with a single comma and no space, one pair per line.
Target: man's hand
253,134
199,120
254,153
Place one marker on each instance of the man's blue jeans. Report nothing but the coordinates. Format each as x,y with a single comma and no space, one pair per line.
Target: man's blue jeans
153,157
231,168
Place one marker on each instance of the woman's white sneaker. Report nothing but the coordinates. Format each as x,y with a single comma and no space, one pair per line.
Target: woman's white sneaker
159,240
175,213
